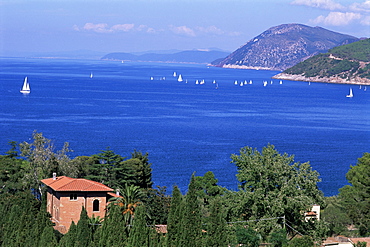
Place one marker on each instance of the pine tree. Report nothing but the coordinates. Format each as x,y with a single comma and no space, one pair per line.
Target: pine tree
191,221
174,219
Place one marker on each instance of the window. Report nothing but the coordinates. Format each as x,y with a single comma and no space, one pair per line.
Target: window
73,197
96,205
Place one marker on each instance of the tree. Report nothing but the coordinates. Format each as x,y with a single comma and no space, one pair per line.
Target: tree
105,168
207,187
175,218
157,203
48,238
336,216
247,236
83,231
191,220
356,197
42,160
139,234
142,171
132,196
216,226
274,187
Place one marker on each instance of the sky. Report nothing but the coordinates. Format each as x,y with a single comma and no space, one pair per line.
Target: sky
143,25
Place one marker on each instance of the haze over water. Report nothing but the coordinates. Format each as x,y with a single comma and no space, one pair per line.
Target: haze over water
184,127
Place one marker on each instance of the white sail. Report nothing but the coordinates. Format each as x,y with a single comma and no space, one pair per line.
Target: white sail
350,95
91,75
180,78
26,87
174,74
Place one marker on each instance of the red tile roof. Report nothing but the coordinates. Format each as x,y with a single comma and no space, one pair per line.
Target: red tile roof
63,183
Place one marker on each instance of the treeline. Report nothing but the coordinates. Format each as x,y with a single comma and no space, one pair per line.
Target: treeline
274,193
342,61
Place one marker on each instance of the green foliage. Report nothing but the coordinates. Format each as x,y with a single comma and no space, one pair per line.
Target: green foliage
207,187
273,186
69,239
48,238
247,237
112,170
42,161
175,218
139,234
278,238
216,225
83,231
304,241
359,50
336,215
114,231
191,226
157,203
342,61
358,193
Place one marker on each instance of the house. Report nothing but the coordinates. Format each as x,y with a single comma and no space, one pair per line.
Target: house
314,214
66,196
342,241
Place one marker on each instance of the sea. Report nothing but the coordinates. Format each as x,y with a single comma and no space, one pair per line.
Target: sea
186,126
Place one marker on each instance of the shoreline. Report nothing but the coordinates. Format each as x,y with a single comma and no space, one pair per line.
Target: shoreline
333,80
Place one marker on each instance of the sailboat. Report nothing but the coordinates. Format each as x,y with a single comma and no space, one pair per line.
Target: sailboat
350,95
91,75
26,87
174,74
180,78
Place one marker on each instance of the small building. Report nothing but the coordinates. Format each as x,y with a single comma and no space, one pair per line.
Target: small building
314,214
66,196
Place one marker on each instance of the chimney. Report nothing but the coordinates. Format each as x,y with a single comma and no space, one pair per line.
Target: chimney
117,192
54,175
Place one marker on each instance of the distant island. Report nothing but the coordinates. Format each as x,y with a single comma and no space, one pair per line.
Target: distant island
283,46
192,56
347,64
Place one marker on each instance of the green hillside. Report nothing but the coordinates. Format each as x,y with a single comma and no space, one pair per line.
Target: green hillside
346,62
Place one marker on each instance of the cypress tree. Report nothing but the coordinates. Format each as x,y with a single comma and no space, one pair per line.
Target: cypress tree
216,228
69,239
174,218
48,238
191,221
139,234
83,232
114,230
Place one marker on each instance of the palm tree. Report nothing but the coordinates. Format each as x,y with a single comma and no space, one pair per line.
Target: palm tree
131,198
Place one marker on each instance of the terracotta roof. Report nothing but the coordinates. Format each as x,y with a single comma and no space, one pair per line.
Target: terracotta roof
311,213
63,183
356,240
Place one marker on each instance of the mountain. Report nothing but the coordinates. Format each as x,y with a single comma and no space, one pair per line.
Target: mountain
283,46
348,64
194,56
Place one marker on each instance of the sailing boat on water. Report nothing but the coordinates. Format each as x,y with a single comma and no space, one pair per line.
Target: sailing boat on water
350,95
180,78
91,75
26,87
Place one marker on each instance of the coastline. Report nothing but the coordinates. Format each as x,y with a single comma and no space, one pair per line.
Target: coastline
335,80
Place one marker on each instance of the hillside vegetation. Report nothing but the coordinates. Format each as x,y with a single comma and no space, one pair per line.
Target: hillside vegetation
348,63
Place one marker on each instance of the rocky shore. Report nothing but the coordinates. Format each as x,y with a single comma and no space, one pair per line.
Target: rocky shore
337,80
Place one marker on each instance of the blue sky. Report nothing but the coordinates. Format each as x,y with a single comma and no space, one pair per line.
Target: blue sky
141,25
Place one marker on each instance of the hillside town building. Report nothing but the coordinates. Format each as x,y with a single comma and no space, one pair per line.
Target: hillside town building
66,196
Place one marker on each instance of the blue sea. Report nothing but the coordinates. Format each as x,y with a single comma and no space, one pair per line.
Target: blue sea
185,127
